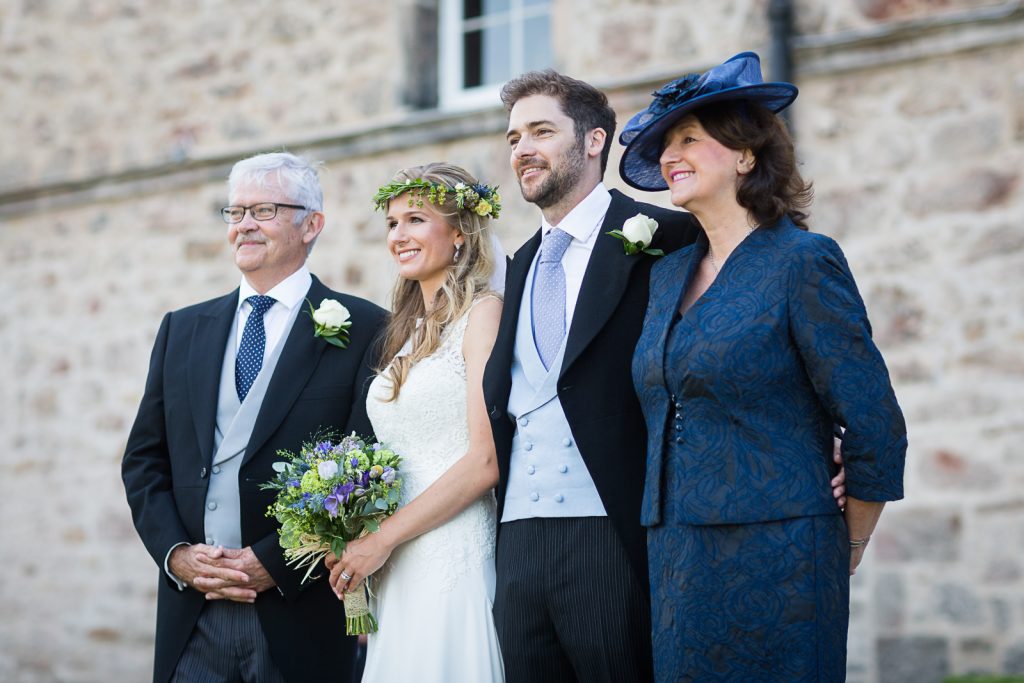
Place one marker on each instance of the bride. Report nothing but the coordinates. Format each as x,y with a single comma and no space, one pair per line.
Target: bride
433,596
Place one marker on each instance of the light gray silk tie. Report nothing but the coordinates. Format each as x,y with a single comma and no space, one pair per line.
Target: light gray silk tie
549,296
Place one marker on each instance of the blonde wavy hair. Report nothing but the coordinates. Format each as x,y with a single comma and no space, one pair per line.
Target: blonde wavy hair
465,281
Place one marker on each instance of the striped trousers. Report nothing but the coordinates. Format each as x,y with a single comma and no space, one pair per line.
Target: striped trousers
227,646
568,605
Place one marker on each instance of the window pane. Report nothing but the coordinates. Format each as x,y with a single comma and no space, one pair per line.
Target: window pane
497,53
471,62
495,6
471,9
536,43
535,3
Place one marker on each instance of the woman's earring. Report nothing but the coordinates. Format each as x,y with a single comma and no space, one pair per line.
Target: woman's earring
458,250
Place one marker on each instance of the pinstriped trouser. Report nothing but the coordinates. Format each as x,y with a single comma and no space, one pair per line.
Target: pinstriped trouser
568,605
227,646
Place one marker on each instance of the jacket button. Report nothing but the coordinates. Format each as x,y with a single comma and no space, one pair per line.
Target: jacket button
216,469
523,421
679,428
212,505
528,446
534,496
563,468
679,406
559,498
202,473
567,442
679,439
531,469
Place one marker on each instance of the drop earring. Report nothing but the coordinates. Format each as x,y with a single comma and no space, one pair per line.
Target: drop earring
458,250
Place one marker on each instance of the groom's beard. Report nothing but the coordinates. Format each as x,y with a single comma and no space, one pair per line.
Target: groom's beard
561,179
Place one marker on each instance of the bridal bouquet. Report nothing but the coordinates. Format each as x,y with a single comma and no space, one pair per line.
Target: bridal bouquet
333,492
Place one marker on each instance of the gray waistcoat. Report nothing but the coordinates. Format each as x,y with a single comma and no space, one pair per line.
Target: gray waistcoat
235,422
547,475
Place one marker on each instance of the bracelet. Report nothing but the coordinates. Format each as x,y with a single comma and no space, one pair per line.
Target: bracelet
859,542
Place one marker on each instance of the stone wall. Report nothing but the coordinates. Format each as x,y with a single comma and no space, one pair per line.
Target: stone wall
118,121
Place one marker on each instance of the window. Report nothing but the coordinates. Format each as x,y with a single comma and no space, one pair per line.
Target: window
486,42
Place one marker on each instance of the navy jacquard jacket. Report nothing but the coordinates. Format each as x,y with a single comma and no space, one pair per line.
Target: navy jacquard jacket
775,353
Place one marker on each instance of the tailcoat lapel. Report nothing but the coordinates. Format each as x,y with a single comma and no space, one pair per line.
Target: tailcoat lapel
298,359
205,360
604,281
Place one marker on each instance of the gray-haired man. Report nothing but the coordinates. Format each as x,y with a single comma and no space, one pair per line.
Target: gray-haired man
231,381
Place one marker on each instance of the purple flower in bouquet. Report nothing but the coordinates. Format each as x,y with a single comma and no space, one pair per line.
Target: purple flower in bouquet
388,476
365,479
348,443
355,462
338,498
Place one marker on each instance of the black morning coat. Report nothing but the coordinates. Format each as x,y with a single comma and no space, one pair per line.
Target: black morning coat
595,387
167,462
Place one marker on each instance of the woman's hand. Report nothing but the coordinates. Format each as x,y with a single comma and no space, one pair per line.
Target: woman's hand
861,518
361,558
856,555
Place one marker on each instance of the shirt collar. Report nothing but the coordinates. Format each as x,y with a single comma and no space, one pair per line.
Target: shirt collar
585,216
289,292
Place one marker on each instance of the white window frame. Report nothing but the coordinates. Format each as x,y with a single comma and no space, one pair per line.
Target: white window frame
451,95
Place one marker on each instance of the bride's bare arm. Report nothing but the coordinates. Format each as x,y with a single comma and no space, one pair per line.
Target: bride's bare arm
466,481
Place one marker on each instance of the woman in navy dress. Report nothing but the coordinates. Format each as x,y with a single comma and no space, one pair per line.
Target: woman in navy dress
756,346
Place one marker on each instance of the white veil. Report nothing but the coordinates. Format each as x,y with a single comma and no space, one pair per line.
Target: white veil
497,281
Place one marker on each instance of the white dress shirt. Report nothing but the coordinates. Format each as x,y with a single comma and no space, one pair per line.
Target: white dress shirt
582,223
288,293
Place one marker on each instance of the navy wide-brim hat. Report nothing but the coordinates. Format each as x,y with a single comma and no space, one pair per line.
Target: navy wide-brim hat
739,78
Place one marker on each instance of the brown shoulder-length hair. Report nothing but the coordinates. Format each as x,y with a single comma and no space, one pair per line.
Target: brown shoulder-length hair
466,279
774,187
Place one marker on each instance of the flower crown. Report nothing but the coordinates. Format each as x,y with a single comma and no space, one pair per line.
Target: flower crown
483,200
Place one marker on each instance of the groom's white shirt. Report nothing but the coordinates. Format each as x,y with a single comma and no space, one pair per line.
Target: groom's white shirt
582,223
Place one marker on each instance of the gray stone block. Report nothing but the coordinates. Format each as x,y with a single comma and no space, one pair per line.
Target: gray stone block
918,659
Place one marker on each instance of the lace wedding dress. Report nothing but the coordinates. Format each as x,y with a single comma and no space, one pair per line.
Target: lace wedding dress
433,596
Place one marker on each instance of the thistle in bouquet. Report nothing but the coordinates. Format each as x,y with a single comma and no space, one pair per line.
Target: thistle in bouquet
330,493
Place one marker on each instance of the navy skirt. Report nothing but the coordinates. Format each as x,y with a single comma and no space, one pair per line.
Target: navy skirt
750,602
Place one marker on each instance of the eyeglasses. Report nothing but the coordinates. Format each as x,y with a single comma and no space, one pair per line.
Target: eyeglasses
261,212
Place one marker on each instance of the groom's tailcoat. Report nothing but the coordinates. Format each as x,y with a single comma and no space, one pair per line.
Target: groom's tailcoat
595,387
168,461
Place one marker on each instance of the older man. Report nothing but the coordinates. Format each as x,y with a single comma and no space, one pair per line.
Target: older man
231,381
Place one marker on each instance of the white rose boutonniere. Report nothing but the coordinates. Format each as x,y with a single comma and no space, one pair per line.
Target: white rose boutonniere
331,321
637,234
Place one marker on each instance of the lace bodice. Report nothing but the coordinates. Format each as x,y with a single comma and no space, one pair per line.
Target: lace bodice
427,425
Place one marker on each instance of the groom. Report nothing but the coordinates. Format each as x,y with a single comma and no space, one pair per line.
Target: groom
232,381
572,594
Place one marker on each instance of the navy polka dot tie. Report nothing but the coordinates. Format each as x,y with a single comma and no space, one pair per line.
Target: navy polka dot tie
549,296
254,340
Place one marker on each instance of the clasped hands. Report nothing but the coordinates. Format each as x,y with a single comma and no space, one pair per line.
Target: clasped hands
221,573
361,558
